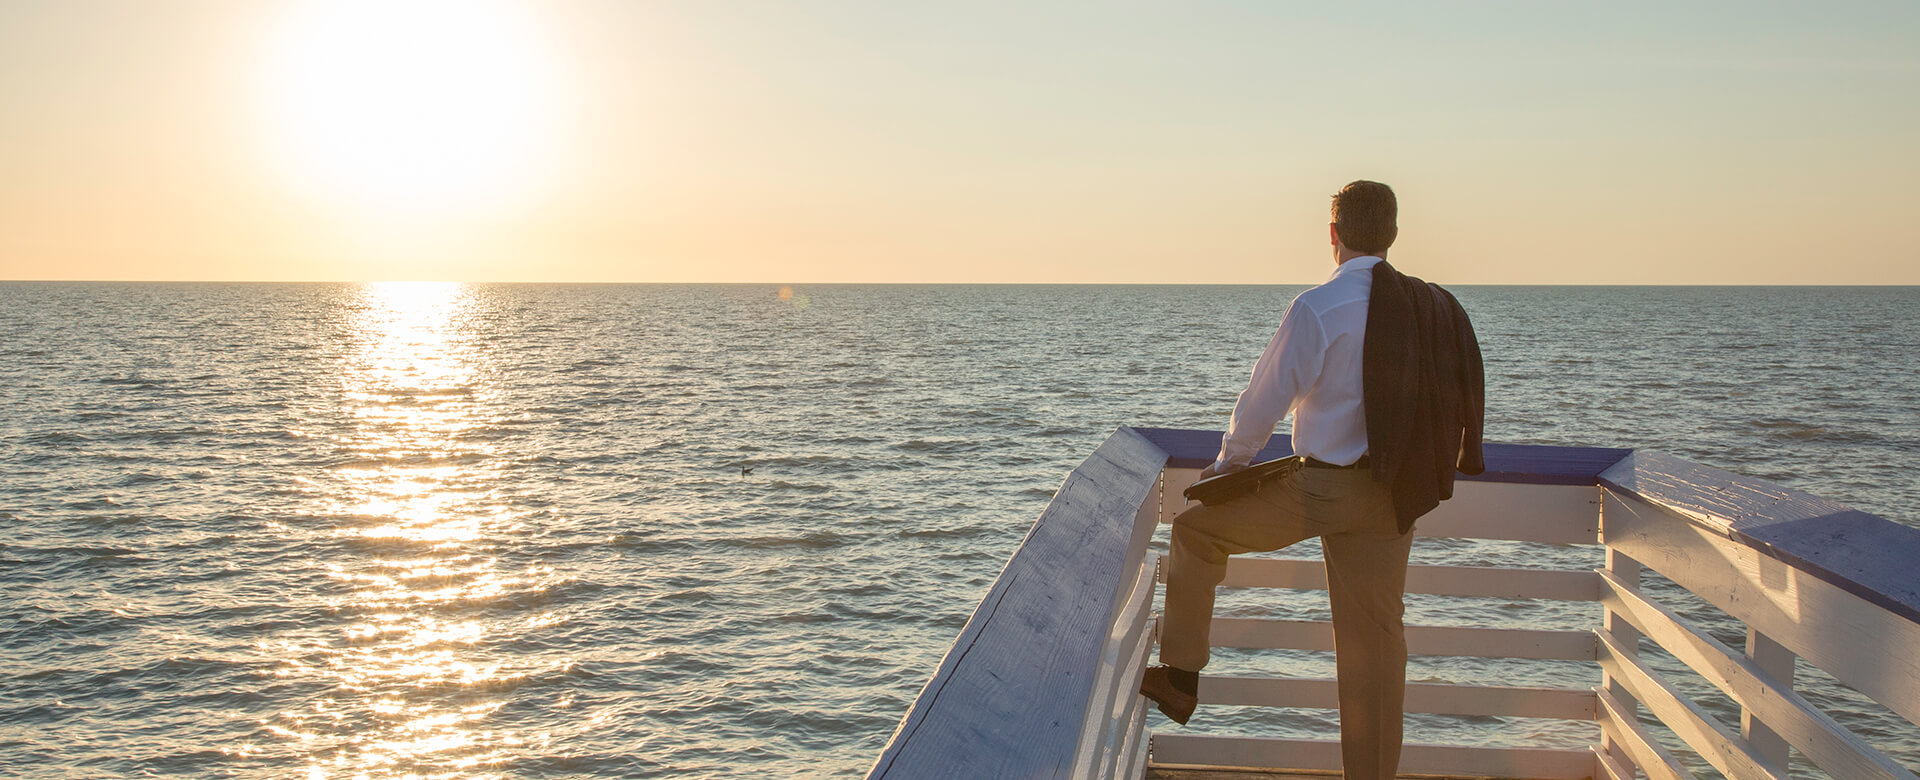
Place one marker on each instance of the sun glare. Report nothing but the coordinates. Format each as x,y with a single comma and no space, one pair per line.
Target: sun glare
413,106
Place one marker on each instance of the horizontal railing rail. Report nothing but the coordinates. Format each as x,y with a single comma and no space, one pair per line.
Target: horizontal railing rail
1808,578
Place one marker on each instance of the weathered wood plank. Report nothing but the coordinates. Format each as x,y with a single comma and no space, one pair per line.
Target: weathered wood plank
1527,463
1816,735
1618,723
1546,514
1133,731
1626,571
1610,768
1865,555
1196,750
1421,640
1776,662
1323,693
1467,581
1174,486
1139,748
1116,682
1009,697
1131,763
1722,748
1856,641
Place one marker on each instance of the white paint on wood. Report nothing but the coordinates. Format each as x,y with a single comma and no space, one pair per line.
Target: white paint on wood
1009,697
1130,707
1421,640
1624,570
1549,514
1857,552
1466,581
1131,734
1816,735
1609,767
1323,693
1725,750
1116,680
1776,661
1137,761
1173,487
1620,723
1194,750
1857,642
1146,520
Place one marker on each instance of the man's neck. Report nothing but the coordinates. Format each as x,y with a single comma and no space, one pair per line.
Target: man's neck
1341,256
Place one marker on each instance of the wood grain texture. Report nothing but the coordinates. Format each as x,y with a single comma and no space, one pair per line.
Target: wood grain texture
1618,722
1546,514
1116,682
1758,690
1323,693
1868,556
1010,695
1415,759
1421,640
1626,570
1856,641
1186,773
1610,768
1721,747
1522,512
1468,581
1775,661
1523,463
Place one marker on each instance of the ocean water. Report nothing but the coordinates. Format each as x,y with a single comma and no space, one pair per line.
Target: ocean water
435,530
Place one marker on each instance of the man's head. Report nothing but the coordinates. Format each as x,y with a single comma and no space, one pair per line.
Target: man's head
1364,219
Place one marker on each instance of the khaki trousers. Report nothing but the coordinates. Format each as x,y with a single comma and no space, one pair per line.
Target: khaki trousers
1366,560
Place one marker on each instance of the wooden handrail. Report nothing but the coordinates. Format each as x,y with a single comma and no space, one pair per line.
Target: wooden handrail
1040,681
1009,698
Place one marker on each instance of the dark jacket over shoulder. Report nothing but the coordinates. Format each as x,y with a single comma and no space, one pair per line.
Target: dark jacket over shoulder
1424,391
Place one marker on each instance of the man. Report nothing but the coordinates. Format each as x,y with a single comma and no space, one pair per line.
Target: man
1382,375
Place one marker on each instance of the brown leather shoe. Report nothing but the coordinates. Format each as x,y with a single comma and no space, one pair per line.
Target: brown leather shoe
1177,704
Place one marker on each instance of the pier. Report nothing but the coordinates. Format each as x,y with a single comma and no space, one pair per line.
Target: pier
1043,679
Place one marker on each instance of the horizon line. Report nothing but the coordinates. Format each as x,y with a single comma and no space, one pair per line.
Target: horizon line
910,283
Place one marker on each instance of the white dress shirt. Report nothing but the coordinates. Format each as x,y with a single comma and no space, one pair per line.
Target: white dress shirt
1312,369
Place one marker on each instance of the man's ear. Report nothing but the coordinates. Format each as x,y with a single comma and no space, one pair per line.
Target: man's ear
1333,234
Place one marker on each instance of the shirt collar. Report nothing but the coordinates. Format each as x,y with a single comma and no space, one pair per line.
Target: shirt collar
1363,262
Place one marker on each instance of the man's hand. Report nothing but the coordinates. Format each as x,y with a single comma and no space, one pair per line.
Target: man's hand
1213,470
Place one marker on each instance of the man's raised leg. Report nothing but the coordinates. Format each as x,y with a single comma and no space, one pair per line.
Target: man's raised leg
1202,539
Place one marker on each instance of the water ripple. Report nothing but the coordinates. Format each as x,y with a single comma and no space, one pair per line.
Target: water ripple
560,530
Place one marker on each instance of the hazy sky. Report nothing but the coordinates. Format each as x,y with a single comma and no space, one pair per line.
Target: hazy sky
1530,142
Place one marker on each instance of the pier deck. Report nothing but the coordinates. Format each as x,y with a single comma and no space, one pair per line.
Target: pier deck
1043,679
1215,773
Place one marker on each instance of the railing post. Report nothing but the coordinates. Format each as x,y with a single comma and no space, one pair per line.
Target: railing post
1627,638
1777,661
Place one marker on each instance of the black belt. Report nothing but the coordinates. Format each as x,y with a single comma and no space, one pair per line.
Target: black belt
1316,463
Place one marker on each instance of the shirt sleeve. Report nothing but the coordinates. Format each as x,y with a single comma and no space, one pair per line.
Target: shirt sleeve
1286,370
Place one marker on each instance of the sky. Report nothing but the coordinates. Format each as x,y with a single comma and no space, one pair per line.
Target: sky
978,142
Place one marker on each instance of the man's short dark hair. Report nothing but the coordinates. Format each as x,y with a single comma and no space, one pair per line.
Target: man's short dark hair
1365,215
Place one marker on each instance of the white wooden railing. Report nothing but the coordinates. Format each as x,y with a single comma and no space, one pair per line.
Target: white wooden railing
1035,687
1536,513
1807,577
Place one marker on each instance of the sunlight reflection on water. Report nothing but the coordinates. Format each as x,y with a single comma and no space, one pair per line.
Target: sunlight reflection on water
409,680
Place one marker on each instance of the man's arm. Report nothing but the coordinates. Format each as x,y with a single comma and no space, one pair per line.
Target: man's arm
1286,370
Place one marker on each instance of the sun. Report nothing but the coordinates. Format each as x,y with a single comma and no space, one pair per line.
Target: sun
412,106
